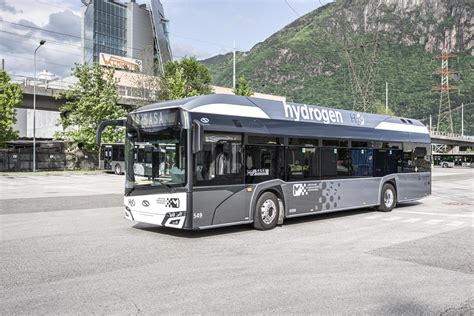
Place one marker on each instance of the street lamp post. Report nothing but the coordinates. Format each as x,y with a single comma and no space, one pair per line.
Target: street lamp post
41,43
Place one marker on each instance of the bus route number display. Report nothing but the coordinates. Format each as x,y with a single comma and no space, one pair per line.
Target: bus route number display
155,118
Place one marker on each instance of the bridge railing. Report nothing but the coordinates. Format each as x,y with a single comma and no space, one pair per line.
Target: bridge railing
451,136
128,92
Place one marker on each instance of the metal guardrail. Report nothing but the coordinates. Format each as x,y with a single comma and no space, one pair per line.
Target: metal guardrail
452,136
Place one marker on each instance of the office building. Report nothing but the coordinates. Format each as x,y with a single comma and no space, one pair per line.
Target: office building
125,34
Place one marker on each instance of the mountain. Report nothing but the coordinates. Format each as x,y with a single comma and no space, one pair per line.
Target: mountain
343,54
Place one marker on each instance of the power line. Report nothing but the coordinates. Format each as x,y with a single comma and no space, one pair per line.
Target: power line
39,61
200,41
62,34
41,29
52,5
91,40
49,41
292,9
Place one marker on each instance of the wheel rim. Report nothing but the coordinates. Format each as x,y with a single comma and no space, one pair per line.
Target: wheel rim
388,198
117,169
268,211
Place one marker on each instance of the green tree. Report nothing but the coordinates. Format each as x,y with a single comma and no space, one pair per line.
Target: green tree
10,97
380,108
176,85
243,87
90,101
185,78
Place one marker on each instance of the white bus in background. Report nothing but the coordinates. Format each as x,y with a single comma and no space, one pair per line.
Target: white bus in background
112,157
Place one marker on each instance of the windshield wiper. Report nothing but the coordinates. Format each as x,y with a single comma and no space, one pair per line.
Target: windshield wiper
171,188
128,191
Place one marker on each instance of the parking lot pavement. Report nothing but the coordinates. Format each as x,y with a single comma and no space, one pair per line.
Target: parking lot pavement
417,259
39,185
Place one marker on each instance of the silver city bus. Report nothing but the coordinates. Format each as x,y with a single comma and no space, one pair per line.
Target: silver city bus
221,160
112,157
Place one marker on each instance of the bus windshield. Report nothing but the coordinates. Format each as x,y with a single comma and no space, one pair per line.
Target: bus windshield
156,157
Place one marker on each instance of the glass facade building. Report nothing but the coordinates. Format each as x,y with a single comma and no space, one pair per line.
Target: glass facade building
125,29
110,28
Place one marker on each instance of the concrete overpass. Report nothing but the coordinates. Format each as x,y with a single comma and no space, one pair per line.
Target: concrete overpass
47,106
45,98
452,139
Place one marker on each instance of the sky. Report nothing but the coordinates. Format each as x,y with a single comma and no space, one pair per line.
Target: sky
200,28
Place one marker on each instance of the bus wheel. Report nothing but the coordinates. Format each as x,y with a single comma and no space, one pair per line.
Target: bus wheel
118,169
266,212
388,198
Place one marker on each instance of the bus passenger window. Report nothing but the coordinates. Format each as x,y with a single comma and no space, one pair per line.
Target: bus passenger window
220,161
344,162
303,163
422,155
362,161
408,158
263,163
328,163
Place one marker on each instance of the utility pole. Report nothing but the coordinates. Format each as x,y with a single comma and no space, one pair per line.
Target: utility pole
386,97
462,119
3,64
445,118
233,71
431,122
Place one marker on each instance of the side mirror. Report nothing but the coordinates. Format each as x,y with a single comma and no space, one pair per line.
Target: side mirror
104,124
198,136
420,152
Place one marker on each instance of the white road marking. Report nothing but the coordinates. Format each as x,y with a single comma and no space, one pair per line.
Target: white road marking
412,220
392,219
455,223
434,221
439,214
373,217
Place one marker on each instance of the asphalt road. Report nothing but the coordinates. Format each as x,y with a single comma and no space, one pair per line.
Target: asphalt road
65,248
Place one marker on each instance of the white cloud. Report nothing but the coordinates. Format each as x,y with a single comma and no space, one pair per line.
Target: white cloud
18,41
181,50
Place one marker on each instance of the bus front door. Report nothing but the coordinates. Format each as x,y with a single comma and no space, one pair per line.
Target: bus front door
108,158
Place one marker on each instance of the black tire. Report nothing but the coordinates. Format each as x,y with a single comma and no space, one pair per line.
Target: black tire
388,198
266,212
444,165
118,169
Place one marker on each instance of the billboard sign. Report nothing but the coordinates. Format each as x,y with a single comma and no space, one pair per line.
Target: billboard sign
120,62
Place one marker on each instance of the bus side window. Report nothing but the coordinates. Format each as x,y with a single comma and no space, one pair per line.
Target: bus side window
422,153
303,163
408,161
362,159
328,163
220,161
263,162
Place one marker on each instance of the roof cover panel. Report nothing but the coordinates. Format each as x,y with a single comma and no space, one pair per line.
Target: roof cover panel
232,105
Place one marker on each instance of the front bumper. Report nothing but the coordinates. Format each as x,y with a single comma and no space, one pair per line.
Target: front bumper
155,219
157,209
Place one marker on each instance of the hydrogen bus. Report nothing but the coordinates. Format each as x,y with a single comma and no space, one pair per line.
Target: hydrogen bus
221,160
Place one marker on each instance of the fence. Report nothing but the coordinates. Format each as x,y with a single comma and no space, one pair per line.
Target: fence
49,157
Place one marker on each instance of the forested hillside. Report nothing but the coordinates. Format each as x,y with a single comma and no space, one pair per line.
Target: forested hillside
343,54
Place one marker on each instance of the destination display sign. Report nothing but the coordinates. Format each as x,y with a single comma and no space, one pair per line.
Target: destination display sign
158,118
